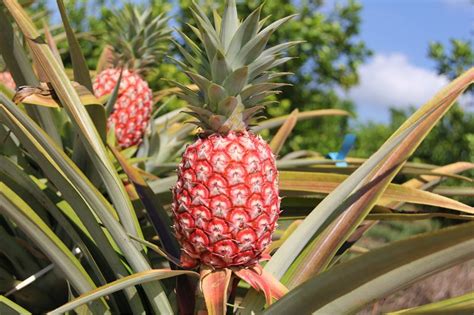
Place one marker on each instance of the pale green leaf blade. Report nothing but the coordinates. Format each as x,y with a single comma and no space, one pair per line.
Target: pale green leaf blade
284,132
351,285
7,306
32,225
459,305
132,280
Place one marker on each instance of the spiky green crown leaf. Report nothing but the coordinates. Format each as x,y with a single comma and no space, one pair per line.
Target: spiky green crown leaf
232,67
138,37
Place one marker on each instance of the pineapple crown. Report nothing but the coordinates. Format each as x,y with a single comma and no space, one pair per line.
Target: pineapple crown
234,70
138,37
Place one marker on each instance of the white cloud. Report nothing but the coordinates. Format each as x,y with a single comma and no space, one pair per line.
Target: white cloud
390,80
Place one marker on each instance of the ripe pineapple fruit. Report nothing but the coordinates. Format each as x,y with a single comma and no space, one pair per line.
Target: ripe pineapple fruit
226,202
137,39
7,80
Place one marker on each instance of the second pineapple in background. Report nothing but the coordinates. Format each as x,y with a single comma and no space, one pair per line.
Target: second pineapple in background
137,38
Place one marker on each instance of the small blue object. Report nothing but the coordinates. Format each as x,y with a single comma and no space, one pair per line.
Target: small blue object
347,145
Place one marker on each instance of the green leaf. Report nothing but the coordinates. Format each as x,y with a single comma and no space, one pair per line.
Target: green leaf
460,305
76,189
109,107
132,280
219,68
32,225
79,64
7,306
248,29
416,216
326,183
230,23
216,94
351,285
8,168
236,81
19,65
157,214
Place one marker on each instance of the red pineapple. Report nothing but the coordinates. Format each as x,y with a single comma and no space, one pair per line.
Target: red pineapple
133,106
225,202
128,31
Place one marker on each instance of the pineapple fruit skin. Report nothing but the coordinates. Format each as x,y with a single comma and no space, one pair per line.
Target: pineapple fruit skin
226,202
7,79
132,109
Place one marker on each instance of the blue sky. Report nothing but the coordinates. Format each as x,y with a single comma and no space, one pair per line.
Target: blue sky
398,32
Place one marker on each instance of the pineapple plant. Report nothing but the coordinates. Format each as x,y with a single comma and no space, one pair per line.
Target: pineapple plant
226,202
137,38
81,246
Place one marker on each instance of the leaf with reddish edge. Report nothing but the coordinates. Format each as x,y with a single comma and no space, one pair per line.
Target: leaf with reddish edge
81,71
156,212
279,139
326,183
422,182
214,286
261,280
162,224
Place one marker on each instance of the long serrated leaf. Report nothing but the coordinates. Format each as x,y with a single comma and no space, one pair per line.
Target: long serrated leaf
381,176
52,43
326,183
157,214
7,167
351,285
19,65
132,280
7,306
79,65
76,188
32,225
230,23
